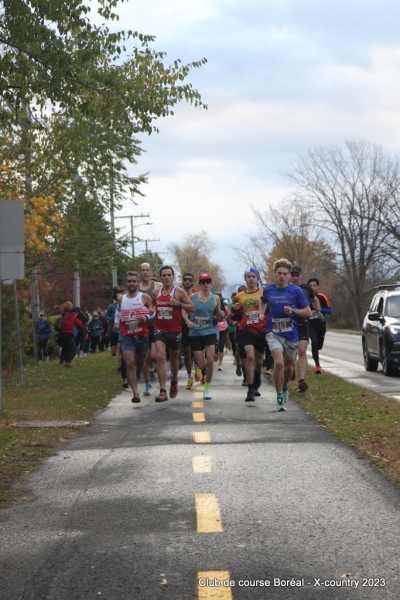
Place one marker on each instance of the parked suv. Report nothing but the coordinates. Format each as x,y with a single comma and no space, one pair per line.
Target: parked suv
381,330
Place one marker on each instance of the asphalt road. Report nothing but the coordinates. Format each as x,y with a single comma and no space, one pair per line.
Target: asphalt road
143,507
342,355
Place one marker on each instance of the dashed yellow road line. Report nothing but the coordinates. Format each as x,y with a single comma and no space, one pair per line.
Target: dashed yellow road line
199,417
198,394
208,589
208,514
197,404
201,464
202,437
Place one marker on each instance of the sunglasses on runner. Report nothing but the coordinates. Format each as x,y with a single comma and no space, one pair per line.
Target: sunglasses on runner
187,279
205,281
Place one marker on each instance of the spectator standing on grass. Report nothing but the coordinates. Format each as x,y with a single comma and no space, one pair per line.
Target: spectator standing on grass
95,329
104,338
43,331
80,332
68,323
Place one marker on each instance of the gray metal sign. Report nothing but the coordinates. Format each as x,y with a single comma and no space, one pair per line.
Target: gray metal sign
12,239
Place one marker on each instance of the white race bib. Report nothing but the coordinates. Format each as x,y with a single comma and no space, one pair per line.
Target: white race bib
252,317
165,312
282,325
134,326
201,321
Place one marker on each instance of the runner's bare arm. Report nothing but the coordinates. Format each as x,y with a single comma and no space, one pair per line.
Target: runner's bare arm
301,312
219,314
262,307
183,300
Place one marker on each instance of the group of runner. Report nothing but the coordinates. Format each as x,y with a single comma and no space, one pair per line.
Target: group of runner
156,319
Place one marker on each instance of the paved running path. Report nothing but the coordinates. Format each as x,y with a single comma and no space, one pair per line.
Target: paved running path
164,501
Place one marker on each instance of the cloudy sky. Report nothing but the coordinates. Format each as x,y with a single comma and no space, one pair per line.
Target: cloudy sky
282,76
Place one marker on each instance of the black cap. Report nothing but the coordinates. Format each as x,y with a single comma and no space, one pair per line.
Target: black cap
297,269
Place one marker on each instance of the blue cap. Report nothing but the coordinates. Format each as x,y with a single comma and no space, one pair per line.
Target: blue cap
252,270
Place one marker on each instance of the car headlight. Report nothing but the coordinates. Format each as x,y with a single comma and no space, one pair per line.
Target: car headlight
395,329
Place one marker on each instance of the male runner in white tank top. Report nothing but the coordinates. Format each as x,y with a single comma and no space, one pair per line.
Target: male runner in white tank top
133,312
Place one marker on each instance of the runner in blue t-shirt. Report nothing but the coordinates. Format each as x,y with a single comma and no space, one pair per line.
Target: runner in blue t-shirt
284,302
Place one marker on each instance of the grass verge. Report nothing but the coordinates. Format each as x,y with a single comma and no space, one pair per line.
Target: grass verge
51,392
363,419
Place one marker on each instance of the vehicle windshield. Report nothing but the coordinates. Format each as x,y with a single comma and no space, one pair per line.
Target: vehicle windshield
393,306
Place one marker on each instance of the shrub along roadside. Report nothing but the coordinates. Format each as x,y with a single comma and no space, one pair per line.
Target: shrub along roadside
363,419
51,392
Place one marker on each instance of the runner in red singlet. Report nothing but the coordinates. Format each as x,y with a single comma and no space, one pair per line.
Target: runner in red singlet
168,302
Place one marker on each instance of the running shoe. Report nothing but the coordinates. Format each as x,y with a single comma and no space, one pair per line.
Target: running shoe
239,370
220,368
302,386
136,398
147,390
280,404
68,365
293,377
257,393
189,383
318,370
162,396
207,395
250,396
173,390
197,374
268,372
125,385
286,395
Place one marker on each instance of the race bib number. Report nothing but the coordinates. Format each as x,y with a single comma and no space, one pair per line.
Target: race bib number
201,321
165,312
281,325
252,317
134,327
314,314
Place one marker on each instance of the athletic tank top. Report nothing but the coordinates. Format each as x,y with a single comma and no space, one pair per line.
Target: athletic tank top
168,318
150,290
131,310
203,316
249,303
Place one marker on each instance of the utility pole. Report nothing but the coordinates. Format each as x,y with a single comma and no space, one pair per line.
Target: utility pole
114,279
131,217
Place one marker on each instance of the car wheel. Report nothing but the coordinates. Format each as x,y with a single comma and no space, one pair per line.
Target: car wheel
369,363
386,366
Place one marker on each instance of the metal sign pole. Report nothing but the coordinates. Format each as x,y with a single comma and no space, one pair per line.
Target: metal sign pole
12,245
1,370
19,341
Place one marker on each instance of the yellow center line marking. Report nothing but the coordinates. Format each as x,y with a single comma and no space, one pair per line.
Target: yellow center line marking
197,404
199,417
202,437
198,394
206,588
208,515
201,464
